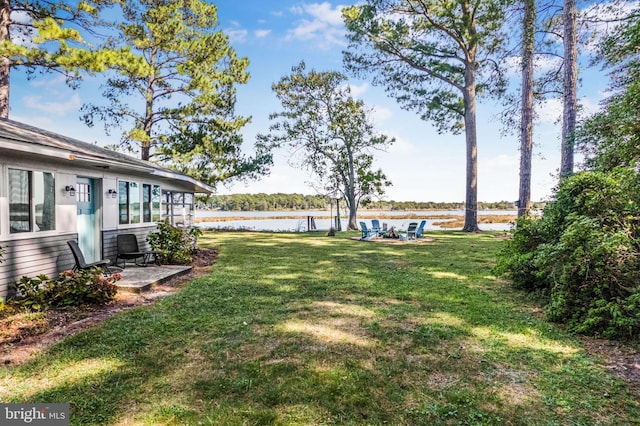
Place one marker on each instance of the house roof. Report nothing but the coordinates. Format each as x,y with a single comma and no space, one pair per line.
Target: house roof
24,138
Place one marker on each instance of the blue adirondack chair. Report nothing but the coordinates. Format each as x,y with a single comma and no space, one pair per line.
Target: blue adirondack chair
375,227
366,232
420,230
412,231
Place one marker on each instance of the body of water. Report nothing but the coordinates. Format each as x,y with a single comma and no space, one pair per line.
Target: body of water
296,221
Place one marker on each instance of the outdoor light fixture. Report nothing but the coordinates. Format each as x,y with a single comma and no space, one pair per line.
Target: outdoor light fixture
71,190
113,193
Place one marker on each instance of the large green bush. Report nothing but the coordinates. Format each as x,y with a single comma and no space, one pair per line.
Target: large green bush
70,288
583,254
175,245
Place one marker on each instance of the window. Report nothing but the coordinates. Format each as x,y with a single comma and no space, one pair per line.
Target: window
138,203
123,202
32,201
178,207
155,203
134,202
83,192
146,203
150,203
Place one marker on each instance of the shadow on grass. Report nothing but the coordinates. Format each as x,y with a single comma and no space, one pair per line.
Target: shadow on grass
306,329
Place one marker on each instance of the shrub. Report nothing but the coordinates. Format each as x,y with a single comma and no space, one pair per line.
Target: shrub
86,287
583,254
176,245
516,259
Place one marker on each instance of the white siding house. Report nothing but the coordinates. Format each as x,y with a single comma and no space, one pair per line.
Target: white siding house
54,189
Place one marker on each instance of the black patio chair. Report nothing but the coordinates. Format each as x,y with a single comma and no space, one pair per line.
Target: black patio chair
81,263
128,249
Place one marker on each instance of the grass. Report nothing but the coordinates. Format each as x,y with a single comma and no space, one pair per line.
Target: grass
307,329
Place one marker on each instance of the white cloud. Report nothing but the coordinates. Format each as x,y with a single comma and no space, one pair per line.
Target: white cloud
358,90
381,114
262,33
603,19
53,108
588,107
23,35
400,146
324,12
237,35
542,63
549,112
321,23
53,81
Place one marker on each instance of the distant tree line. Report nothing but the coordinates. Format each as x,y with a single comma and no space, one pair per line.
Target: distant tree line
265,202
280,201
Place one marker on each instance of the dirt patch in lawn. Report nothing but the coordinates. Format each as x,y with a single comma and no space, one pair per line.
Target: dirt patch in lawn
621,358
22,335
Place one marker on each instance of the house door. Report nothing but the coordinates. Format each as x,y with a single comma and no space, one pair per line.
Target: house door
88,231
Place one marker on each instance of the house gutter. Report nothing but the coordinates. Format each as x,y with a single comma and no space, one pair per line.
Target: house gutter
179,176
109,162
39,150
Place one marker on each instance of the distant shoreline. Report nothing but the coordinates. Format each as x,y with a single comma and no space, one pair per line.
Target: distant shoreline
449,220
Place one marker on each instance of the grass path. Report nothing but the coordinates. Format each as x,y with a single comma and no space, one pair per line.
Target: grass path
306,329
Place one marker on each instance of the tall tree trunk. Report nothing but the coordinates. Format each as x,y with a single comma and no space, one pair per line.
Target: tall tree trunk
526,118
471,200
570,64
351,192
5,64
148,126
148,113
353,211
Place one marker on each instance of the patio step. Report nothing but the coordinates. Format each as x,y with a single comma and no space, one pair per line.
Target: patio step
136,279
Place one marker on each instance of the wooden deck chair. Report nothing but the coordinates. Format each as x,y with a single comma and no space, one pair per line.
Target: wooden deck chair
81,264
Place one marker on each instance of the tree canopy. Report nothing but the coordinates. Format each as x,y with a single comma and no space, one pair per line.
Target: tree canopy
611,138
51,36
190,80
211,155
332,133
432,57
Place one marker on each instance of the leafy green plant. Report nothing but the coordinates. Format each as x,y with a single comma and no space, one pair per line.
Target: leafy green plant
86,287
176,245
33,293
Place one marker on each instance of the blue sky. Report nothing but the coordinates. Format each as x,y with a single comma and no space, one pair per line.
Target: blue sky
276,35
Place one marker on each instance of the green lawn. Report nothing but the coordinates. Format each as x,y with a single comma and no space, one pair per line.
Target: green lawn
307,329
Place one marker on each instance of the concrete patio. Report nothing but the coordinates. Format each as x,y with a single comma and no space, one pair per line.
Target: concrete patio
136,279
